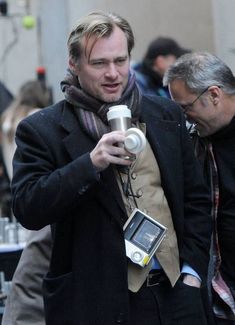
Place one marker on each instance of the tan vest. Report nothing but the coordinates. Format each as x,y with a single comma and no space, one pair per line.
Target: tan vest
146,183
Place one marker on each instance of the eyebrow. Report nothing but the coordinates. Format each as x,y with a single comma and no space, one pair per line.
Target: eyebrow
124,57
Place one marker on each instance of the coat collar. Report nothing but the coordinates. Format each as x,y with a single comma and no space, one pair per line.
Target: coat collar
77,143
163,134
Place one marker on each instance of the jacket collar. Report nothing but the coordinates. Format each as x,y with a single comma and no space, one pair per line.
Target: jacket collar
77,143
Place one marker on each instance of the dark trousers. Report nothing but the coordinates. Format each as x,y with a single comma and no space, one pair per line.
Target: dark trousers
163,305
220,321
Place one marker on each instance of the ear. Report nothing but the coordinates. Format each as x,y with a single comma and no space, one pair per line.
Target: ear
215,94
73,67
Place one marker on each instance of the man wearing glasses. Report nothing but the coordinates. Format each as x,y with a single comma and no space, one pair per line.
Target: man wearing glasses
205,89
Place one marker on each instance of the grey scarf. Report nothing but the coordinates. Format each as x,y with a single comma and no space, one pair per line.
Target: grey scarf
91,112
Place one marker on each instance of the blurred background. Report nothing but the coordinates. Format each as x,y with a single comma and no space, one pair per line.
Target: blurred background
33,33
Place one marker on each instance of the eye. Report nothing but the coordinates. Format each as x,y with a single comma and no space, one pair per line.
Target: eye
121,61
98,64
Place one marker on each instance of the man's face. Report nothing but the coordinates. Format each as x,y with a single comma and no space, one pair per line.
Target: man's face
199,110
103,70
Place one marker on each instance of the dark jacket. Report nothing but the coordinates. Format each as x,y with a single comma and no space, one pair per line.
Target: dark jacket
5,97
149,81
55,183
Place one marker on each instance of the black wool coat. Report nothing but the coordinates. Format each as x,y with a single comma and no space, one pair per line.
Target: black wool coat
55,183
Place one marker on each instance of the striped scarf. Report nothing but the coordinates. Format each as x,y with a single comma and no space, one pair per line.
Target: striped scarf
91,112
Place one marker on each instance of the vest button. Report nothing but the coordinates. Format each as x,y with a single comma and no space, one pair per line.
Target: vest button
133,175
139,193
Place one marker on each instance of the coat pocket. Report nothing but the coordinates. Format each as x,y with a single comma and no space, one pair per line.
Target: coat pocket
57,294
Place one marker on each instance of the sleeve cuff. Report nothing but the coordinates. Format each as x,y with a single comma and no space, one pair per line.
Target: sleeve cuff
186,269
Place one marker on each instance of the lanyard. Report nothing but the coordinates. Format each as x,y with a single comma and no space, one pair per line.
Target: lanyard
125,179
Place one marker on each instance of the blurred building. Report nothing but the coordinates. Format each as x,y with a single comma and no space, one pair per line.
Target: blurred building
200,25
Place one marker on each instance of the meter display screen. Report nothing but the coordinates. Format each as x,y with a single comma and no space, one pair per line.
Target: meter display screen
147,235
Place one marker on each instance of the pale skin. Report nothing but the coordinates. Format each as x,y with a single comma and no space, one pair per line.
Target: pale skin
107,152
103,73
211,112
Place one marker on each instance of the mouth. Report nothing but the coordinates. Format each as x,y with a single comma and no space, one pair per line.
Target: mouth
111,87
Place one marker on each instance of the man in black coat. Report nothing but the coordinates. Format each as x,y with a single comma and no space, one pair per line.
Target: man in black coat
70,173
205,88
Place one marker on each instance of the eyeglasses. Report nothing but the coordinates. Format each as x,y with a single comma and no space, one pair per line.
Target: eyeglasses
186,107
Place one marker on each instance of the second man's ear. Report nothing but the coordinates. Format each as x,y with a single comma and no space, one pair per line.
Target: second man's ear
214,94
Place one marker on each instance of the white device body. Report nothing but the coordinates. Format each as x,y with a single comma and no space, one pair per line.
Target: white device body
143,235
119,118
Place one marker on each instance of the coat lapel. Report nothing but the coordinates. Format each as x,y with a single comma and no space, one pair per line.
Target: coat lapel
164,138
77,143
110,185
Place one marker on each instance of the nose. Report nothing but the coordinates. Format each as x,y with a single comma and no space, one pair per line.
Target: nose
111,71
